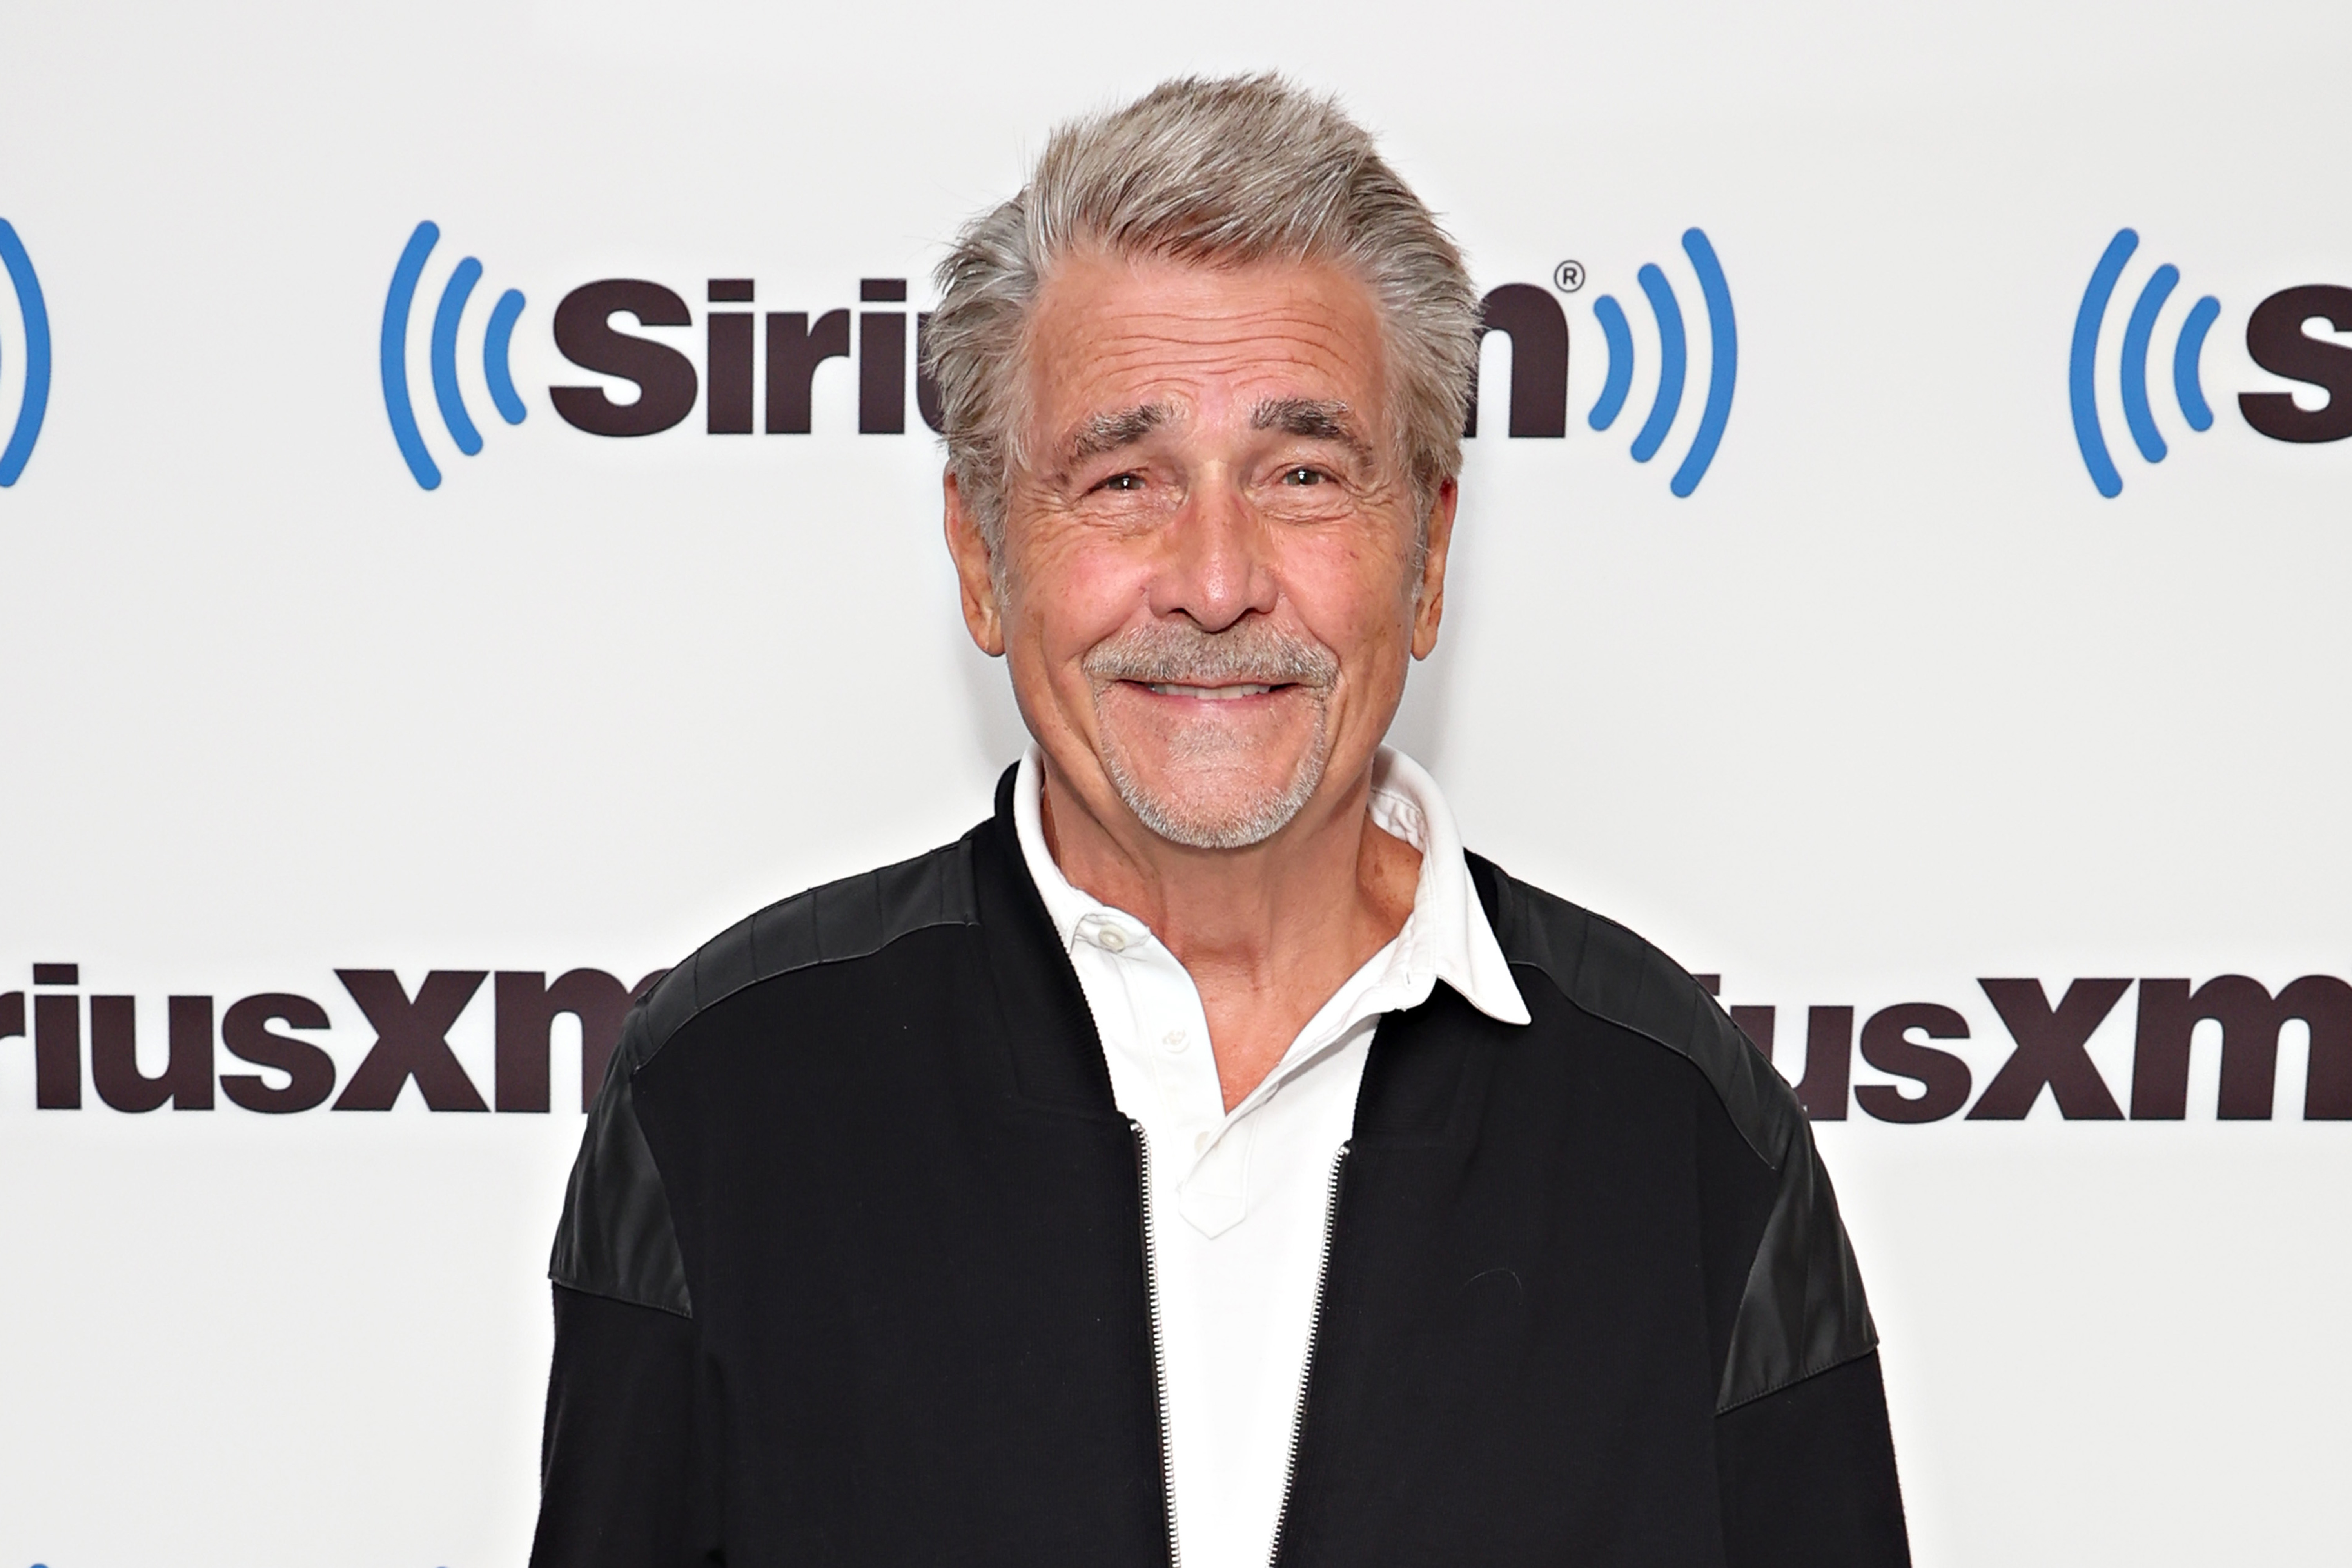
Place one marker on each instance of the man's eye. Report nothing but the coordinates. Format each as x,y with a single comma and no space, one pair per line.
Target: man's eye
1303,475
1122,482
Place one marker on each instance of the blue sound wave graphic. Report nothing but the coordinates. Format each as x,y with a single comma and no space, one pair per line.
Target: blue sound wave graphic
1674,355
35,310
1619,339
497,341
1672,358
2139,329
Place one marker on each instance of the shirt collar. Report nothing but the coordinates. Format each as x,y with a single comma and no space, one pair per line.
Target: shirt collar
1447,937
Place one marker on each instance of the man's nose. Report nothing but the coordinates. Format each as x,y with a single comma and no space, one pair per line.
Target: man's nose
1218,563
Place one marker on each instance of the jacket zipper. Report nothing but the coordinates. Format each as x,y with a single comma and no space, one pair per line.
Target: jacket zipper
1159,1348
1306,1371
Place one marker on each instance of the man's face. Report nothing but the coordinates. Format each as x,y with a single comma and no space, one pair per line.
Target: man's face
1213,575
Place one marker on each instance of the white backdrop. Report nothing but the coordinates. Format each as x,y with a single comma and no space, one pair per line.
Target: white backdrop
1896,700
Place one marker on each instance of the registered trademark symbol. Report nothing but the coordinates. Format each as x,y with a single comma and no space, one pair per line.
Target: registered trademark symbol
1568,277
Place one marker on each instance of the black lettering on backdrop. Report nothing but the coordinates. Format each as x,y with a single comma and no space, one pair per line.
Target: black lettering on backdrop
1537,328
2276,340
728,407
794,350
245,1034
186,1081
411,1040
584,334
2250,1019
882,359
2050,1044
12,1017
1829,1063
527,1008
57,1049
1887,1045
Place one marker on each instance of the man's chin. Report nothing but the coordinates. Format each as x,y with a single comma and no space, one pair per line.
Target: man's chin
1221,774
1230,805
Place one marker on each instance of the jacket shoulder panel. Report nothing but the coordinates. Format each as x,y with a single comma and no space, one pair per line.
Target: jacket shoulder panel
855,918
1607,970
1802,1309
616,1239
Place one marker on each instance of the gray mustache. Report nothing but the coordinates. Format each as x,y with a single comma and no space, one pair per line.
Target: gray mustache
1180,654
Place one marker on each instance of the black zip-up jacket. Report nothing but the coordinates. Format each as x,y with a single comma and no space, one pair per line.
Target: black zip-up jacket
852,1269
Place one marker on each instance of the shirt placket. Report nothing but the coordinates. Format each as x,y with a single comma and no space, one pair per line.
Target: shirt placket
1167,1037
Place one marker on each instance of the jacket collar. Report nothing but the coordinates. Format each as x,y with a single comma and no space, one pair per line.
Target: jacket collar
1058,1058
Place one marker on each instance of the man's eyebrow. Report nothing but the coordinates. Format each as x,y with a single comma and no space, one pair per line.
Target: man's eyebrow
1109,432
1312,419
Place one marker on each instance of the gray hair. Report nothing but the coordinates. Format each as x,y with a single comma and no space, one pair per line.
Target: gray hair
1217,173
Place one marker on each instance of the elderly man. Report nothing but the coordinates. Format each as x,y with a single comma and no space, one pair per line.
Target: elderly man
1205,1158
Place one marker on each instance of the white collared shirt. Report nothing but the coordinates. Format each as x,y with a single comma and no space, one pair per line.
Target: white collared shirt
1238,1198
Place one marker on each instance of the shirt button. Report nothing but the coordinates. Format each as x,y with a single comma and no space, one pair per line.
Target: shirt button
1174,1039
1111,939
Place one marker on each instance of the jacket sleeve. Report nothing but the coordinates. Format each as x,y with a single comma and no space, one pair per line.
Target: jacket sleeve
617,1477
1807,1475
623,1461
1804,1455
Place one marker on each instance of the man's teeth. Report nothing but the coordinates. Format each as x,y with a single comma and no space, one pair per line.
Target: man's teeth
1208,693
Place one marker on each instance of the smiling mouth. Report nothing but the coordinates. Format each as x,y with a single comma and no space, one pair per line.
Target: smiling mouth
1209,693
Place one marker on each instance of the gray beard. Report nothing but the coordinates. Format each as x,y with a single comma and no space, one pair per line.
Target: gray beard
1197,826
1182,655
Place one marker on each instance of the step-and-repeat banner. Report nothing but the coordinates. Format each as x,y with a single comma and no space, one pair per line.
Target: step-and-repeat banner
468,531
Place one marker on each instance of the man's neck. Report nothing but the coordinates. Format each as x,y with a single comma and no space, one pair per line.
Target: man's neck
1267,932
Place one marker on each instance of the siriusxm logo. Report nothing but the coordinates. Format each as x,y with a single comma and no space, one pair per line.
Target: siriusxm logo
497,338
33,318
758,371
2276,340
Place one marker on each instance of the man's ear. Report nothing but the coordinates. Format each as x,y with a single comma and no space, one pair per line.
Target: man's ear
976,573
1429,599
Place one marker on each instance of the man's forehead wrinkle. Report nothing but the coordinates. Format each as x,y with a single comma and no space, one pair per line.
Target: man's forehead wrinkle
1102,353
1092,325
1133,335
1302,365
